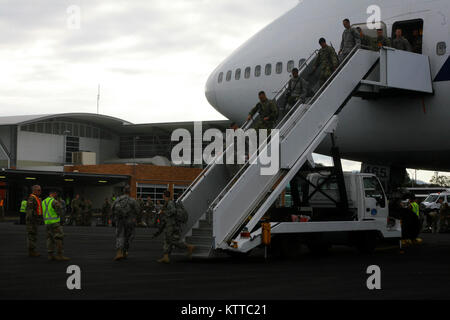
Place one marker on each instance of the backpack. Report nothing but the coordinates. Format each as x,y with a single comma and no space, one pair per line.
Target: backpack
122,207
182,214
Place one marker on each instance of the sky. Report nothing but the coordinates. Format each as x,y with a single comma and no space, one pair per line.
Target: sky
151,58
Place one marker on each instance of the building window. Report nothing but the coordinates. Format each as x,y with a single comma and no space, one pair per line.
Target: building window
72,145
220,77
268,69
82,131
257,71
178,191
154,191
237,75
279,67
229,75
290,66
301,62
248,71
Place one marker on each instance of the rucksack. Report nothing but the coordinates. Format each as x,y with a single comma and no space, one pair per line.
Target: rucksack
122,207
182,214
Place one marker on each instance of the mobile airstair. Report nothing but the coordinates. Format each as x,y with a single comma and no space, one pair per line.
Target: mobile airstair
221,202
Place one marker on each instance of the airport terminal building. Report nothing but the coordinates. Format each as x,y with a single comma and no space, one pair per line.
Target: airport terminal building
91,155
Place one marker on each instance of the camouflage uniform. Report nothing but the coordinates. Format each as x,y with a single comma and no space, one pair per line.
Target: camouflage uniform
401,44
171,227
76,211
417,45
297,90
139,217
444,215
55,232
124,212
350,38
87,213
366,41
33,219
106,212
381,42
149,216
328,62
266,109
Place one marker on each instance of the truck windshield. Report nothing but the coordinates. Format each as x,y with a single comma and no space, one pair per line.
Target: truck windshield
431,198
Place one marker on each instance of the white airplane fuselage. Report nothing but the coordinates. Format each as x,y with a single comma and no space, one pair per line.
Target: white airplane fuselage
406,131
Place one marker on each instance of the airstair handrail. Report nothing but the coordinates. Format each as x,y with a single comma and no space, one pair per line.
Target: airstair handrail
247,124
281,123
300,69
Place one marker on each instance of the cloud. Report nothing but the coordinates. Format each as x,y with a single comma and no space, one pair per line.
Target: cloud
152,58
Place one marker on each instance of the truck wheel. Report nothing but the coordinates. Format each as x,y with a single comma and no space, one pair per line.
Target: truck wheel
366,242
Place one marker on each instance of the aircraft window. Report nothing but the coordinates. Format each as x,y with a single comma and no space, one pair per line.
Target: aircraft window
268,70
220,77
290,66
237,75
257,71
279,67
302,61
228,75
441,48
248,71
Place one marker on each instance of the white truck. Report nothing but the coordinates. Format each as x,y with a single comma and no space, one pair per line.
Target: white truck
320,221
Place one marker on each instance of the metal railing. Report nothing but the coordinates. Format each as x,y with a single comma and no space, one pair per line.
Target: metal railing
292,112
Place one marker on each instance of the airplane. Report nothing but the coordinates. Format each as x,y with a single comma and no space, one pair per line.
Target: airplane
407,131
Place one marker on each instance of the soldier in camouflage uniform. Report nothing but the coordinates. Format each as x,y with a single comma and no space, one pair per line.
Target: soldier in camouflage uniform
297,89
124,212
366,41
33,219
149,214
87,212
326,60
381,40
400,42
172,229
417,42
350,38
52,211
76,210
268,113
106,211
139,217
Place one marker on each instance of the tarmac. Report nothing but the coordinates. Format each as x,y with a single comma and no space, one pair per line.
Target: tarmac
420,273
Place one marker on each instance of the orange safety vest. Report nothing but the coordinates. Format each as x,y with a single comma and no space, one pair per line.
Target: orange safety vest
39,209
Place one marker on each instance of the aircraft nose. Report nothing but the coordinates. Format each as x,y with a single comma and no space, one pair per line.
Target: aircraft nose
210,91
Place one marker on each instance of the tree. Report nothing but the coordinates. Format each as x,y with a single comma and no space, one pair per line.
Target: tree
442,181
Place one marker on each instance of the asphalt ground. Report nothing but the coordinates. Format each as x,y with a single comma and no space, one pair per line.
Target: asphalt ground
420,273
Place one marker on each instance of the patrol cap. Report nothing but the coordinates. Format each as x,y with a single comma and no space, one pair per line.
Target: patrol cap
322,40
295,70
